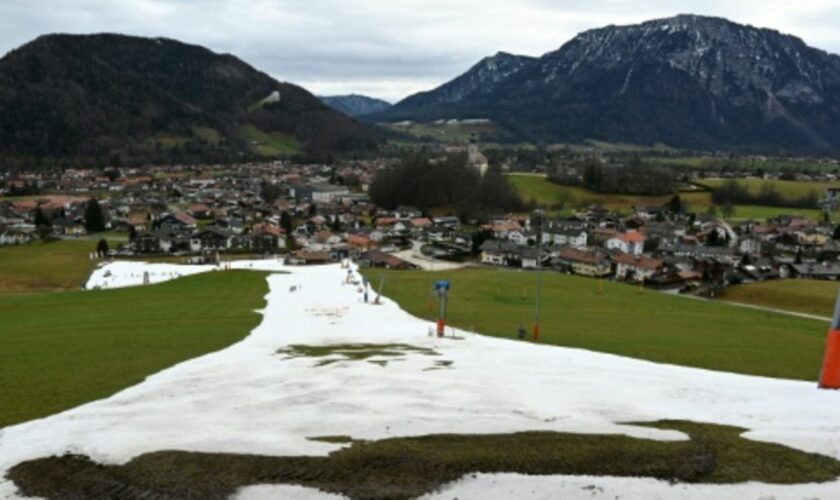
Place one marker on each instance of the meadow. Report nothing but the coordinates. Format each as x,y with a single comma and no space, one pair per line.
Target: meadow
548,194
441,132
623,320
270,144
788,189
62,349
805,296
39,266
748,164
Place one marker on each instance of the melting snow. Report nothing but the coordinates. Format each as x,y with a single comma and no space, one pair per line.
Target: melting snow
248,399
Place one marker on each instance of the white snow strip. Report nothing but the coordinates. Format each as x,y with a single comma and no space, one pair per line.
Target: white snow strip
524,487
284,491
120,274
249,399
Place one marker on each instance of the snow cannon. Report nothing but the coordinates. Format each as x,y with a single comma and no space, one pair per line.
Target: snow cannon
830,373
442,292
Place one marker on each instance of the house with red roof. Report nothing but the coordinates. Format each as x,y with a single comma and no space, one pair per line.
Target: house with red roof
630,267
632,242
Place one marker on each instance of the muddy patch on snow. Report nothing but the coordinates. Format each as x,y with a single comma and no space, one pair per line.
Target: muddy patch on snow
379,354
408,467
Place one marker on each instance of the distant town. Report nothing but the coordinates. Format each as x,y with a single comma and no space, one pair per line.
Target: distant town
320,213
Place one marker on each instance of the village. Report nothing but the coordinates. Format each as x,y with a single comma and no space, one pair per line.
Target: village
316,213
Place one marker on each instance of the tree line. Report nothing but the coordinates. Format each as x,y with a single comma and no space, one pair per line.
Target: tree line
450,181
736,193
631,177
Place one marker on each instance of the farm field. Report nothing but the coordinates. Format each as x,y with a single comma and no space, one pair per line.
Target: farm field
38,266
270,144
624,320
767,166
788,189
547,194
805,296
762,212
447,133
62,349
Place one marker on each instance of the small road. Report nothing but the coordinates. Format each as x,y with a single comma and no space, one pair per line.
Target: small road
760,308
778,311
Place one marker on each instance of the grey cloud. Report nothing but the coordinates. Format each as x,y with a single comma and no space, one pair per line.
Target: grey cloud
388,48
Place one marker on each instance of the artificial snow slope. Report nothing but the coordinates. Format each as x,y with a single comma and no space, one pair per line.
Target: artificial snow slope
251,399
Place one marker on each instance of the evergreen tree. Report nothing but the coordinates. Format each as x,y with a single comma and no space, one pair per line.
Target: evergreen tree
714,238
728,209
41,218
336,224
102,247
45,233
675,205
286,222
94,218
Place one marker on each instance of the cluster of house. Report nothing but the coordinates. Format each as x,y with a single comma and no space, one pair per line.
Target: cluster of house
312,213
180,208
321,213
17,217
660,248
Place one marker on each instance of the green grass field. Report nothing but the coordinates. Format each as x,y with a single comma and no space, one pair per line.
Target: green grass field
623,320
767,165
270,144
207,134
623,146
168,141
788,189
447,133
37,266
62,349
762,212
547,194
806,296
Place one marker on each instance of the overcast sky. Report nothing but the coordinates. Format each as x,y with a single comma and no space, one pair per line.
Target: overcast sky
387,48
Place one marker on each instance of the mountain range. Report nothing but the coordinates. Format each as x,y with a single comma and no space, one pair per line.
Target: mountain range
686,81
355,105
94,98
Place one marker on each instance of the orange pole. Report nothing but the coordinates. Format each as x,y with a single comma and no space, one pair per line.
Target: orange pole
830,373
536,333
441,325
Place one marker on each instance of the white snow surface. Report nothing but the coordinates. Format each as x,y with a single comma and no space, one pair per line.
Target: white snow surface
247,398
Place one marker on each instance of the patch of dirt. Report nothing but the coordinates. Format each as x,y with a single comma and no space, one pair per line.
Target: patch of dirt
408,467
